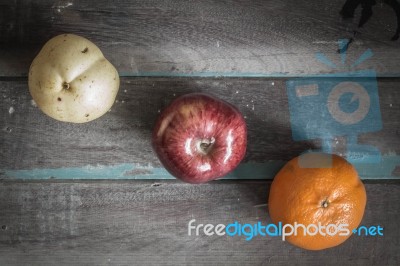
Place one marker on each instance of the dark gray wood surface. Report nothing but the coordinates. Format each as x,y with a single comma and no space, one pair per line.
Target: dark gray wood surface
173,37
31,140
144,223
158,47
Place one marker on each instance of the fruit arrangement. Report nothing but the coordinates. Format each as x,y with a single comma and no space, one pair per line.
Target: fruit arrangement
199,138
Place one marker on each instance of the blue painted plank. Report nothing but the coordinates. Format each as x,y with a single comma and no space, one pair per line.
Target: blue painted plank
246,171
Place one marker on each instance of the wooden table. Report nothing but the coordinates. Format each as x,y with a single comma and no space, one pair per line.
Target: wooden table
95,193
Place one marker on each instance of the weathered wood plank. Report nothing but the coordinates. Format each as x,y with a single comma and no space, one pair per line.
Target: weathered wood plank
118,145
201,38
140,223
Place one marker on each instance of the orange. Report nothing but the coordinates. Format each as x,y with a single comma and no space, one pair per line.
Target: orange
317,189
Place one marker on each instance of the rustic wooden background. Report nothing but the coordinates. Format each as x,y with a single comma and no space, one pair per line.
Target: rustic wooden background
241,51
145,223
118,145
176,37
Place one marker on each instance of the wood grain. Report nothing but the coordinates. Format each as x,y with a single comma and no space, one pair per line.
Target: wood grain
201,38
31,140
143,223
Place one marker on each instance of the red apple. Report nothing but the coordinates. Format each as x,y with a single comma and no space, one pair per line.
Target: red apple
199,138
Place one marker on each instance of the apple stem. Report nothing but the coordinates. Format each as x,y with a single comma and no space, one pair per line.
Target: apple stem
205,145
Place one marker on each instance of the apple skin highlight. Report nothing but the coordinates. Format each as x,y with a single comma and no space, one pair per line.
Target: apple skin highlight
199,138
